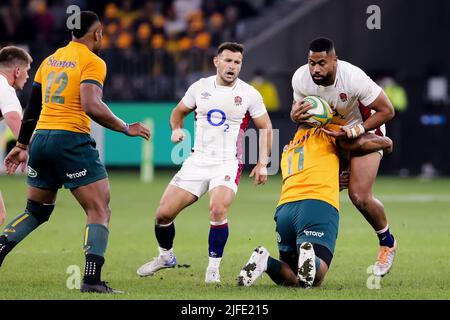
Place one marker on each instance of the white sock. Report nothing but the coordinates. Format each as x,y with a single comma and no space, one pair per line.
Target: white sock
165,252
214,262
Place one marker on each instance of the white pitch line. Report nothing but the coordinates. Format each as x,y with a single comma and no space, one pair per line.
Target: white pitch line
410,198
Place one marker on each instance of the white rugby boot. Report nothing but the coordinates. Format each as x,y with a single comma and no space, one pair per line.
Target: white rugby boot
254,268
306,265
166,259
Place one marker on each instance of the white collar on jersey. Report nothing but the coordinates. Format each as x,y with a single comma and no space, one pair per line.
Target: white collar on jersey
218,86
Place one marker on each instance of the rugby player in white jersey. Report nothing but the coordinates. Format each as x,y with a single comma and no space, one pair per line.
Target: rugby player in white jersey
359,105
223,106
14,65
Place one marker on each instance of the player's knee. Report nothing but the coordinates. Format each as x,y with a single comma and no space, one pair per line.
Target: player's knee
359,199
40,211
217,212
163,215
100,211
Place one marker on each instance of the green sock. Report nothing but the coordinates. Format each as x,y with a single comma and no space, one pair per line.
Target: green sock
94,246
15,232
95,239
20,227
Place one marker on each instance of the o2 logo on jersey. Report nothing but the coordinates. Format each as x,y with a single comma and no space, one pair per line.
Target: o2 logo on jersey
209,117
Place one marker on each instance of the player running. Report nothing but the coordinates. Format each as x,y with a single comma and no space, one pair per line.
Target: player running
67,93
223,106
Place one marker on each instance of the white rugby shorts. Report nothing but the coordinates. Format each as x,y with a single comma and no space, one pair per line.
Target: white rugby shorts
197,177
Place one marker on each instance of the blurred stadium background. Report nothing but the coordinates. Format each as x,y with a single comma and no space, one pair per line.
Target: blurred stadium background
155,49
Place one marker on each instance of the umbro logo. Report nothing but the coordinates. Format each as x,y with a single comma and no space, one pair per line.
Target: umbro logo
205,95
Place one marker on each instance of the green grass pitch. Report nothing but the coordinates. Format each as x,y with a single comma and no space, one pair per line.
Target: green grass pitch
418,212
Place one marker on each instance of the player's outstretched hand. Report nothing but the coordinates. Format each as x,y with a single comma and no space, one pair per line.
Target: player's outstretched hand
299,111
336,134
137,129
15,158
260,173
177,135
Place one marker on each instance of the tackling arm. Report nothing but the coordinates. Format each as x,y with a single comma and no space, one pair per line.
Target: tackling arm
367,143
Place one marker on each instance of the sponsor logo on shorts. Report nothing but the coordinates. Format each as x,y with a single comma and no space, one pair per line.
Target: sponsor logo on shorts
318,234
75,175
227,178
31,172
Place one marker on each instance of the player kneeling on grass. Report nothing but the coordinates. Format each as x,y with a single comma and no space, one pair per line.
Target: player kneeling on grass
307,214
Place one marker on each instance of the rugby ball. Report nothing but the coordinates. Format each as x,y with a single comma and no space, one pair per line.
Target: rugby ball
321,111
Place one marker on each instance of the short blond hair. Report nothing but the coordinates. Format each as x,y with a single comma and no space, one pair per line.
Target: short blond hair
11,56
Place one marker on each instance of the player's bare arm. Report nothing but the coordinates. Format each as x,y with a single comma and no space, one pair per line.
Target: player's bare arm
18,156
367,143
179,113
384,111
13,120
91,99
264,124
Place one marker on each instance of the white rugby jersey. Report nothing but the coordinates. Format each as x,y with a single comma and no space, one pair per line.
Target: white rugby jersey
222,115
349,96
8,98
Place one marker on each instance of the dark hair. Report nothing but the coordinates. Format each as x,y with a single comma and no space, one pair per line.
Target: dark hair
87,19
232,46
321,44
11,55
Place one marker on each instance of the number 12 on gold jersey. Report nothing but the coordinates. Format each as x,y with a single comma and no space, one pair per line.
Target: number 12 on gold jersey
61,79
